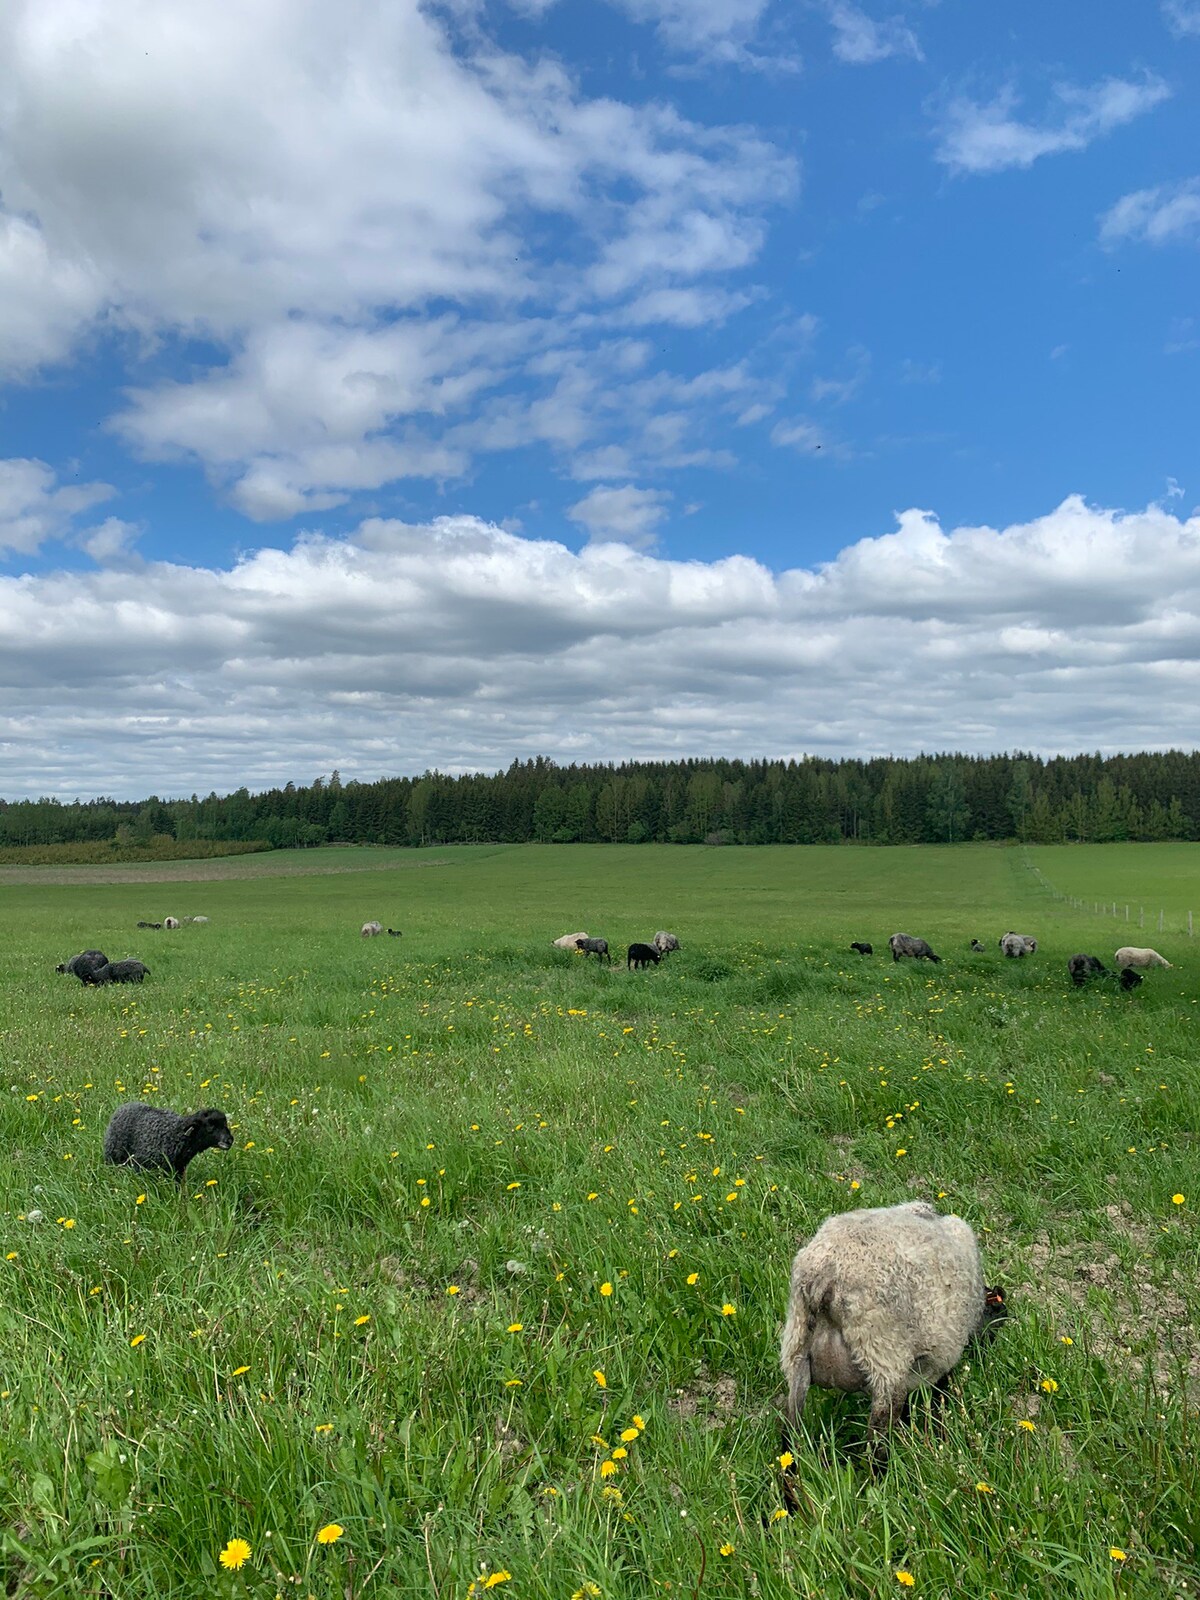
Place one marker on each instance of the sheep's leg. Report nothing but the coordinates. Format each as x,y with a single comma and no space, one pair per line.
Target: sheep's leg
801,1377
887,1407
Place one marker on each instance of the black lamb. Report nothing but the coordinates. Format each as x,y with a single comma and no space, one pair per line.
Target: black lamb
863,948
116,972
594,947
396,933
85,961
638,955
154,1139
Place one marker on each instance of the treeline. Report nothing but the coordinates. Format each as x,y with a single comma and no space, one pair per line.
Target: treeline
923,800
161,847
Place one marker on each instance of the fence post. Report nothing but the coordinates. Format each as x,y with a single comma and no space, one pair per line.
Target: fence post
1141,916
1160,922
1126,913
1189,924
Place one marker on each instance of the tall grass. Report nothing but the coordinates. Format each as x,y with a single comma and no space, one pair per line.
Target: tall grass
495,1214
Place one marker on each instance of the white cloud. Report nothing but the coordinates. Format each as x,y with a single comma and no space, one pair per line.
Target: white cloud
460,646
110,542
974,137
1182,18
375,221
860,41
35,508
629,514
1162,215
719,31
801,433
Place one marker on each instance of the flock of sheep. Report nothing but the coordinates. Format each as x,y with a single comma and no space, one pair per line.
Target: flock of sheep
1131,960
882,1301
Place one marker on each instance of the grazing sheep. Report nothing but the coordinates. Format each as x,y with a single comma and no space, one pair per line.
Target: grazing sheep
594,947
976,946
171,922
638,955
1130,979
149,924
903,944
85,961
664,943
569,941
1083,968
883,1300
1130,955
863,949
371,929
1017,944
116,972
155,1139
199,919
396,933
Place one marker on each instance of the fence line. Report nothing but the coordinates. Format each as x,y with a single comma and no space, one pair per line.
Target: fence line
1105,908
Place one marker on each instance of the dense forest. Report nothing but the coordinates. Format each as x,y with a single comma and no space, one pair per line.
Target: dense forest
924,800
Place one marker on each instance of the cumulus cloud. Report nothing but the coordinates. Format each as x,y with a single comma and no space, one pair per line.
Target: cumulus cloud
629,514
860,41
35,507
373,221
458,645
975,137
1182,18
1162,215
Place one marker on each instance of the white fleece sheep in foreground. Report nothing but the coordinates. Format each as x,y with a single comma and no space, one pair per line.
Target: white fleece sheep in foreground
1131,955
884,1301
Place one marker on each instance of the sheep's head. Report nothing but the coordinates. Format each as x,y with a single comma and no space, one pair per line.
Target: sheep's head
212,1128
995,1310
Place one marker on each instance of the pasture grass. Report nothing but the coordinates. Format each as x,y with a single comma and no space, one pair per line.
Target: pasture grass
495,1214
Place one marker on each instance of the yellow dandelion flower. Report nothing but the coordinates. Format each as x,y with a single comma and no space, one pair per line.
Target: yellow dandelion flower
514,1383
1178,1199
611,1492
779,1514
984,1488
234,1554
516,1327
494,1578
323,1427
586,1591
600,1378
512,1186
693,1279
359,1321
728,1309
1028,1426
606,1289
237,1371
1117,1555
639,1423
906,1578
620,1453
608,1469
138,1338
140,1201
1049,1385
452,1288
727,1549
330,1533
1064,1339
786,1459
628,1435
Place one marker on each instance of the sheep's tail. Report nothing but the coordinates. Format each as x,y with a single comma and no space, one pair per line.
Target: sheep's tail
810,1297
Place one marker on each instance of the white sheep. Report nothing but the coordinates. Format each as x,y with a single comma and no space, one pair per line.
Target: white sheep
370,929
883,1300
170,922
1131,955
665,942
1017,944
569,941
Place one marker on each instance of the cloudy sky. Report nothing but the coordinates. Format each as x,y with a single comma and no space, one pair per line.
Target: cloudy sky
387,386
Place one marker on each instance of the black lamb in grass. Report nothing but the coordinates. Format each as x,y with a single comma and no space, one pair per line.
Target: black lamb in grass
638,954
85,961
863,948
154,1139
396,933
116,972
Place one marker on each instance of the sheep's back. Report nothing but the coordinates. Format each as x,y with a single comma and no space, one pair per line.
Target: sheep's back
145,1133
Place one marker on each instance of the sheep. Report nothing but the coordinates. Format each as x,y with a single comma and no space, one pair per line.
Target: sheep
638,954
884,1300
977,947
152,1138
664,943
171,922
116,972
903,944
862,948
149,924
594,947
396,933
199,920
1017,944
371,929
1084,967
85,961
569,941
1130,955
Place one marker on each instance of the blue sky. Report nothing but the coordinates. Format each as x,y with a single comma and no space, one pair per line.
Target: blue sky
362,375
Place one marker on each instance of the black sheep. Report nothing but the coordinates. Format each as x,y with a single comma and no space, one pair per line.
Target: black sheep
638,955
594,947
154,1139
116,972
396,933
863,949
85,961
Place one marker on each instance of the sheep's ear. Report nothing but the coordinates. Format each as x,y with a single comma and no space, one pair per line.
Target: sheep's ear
994,1298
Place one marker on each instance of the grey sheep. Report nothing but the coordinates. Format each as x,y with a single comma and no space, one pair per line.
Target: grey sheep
85,961
116,972
370,929
154,1139
594,947
1083,968
884,1300
1017,944
665,942
976,946
903,944
639,954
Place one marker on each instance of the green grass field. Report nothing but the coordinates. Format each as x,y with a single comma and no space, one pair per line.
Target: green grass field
493,1276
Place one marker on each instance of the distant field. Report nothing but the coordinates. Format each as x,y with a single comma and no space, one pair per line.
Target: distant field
388,1307
1146,878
